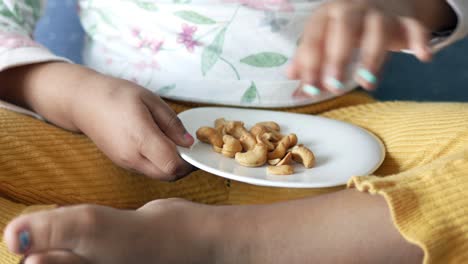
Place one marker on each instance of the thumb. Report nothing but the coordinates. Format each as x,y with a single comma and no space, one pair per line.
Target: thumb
167,120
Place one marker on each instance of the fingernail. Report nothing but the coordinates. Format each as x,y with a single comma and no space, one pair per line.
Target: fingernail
188,138
311,90
367,75
333,82
25,241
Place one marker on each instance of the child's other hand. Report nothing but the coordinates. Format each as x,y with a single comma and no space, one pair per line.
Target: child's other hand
338,28
134,127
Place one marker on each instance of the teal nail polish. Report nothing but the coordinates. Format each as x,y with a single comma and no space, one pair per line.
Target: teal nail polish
367,76
330,81
25,241
312,90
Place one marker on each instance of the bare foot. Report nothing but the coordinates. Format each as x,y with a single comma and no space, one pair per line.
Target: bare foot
342,227
163,231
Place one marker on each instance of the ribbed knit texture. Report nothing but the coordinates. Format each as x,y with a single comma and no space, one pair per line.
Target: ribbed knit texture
426,171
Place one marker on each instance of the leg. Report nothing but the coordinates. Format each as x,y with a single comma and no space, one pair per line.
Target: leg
336,228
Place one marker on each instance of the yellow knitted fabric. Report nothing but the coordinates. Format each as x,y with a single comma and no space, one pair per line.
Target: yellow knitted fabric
426,171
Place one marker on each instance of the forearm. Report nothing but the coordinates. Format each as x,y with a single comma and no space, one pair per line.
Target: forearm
436,15
342,227
48,89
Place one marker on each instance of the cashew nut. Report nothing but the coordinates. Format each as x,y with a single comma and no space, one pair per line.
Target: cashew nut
292,140
217,149
303,155
271,125
220,124
280,170
287,160
280,150
248,142
210,135
274,162
253,158
231,146
264,139
260,130
237,130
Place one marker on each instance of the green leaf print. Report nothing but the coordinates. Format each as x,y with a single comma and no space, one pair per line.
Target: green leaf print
194,17
147,6
14,14
212,52
105,18
35,5
250,94
265,60
166,89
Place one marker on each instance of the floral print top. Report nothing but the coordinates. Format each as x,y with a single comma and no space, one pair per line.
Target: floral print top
231,52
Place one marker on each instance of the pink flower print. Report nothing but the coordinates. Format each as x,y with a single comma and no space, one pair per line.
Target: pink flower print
155,45
136,32
140,41
144,65
13,41
186,37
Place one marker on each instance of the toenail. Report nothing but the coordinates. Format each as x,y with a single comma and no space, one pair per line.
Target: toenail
25,241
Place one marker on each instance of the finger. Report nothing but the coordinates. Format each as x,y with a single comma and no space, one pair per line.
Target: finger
343,35
292,70
418,38
373,49
146,166
54,257
157,148
59,229
167,120
309,55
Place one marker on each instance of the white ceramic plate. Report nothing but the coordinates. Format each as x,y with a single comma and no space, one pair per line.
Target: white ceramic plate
342,150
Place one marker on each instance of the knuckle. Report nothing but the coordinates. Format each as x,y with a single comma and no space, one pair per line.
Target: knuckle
338,10
152,172
88,219
376,19
126,159
171,168
174,121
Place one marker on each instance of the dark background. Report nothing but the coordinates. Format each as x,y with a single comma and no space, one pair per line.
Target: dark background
404,78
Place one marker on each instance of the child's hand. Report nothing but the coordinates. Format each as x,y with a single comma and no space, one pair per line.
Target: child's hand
338,28
133,127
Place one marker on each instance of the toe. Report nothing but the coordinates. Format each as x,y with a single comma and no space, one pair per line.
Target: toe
59,229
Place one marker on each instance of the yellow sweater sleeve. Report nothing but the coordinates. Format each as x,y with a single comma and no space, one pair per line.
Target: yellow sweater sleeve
428,206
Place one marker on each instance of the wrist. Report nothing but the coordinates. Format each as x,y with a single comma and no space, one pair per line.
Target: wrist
87,97
49,89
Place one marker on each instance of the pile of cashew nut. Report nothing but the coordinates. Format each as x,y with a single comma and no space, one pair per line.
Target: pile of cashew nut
263,144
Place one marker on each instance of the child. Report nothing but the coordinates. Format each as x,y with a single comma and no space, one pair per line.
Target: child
225,52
